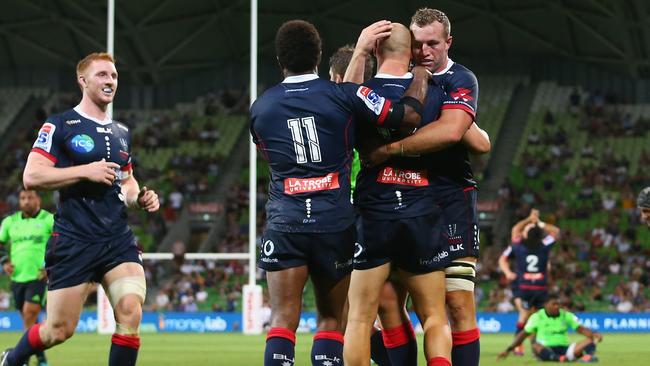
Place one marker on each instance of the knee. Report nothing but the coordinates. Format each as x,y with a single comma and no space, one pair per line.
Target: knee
459,311
129,310
283,319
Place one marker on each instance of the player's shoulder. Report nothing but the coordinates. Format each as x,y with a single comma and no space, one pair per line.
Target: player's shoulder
566,314
10,218
121,126
45,214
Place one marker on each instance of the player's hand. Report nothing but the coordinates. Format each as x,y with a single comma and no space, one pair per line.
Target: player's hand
8,268
421,72
148,200
374,156
371,34
534,215
503,355
42,274
597,337
102,171
511,276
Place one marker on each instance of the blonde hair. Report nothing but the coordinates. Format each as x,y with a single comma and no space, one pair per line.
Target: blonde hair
426,16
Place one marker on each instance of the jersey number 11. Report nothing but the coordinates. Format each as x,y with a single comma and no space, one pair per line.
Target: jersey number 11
309,124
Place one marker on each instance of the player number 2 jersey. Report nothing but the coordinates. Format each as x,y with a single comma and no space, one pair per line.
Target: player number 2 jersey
531,264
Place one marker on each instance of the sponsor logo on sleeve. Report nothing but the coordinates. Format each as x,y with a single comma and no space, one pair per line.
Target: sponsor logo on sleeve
405,177
71,122
462,94
44,139
305,185
82,144
372,100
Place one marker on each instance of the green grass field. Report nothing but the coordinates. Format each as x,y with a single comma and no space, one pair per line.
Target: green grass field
240,350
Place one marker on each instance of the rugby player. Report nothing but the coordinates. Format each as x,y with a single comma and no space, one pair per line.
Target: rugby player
451,178
86,155
27,231
397,229
643,203
550,326
531,247
304,127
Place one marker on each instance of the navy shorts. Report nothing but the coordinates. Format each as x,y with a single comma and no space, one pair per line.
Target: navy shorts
532,298
71,262
32,291
327,254
410,244
460,230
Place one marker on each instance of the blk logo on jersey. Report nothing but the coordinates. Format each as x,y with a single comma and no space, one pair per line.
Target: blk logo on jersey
82,143
304,185
462,93
44,140
414,178
105,130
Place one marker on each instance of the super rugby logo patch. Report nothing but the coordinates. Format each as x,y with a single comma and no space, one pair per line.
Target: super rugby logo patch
44,139
463,94
372,100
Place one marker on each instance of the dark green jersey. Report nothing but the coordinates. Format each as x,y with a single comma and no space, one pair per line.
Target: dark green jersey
552,330
27,238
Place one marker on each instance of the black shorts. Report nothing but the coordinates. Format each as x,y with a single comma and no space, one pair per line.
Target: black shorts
460,230
409,244
71,262
532,298
32,291
327,254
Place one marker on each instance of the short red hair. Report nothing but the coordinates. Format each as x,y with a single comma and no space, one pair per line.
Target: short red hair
86,61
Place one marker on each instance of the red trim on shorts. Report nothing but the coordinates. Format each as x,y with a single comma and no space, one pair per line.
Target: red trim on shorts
520,325
532,287
332,335
466,337
127,167
51,157
467,189
34,338
438,361
395,337
281,333
467,109
126,341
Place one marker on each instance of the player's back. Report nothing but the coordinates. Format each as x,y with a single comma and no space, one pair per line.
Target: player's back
398,186
532,264
304,127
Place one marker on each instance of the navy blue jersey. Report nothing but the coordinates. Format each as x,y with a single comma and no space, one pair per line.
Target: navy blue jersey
87,211
305,127
451,168
397,188
531,265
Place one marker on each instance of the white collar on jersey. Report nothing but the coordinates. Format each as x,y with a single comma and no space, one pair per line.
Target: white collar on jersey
300,78
107,121
408,75
450,63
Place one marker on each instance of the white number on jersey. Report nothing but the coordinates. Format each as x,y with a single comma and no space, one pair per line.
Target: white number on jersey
309,124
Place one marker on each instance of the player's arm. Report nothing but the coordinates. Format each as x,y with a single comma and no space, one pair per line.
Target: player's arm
595,336
7,267
364,47
40,173
382,112
519,339
505,266
550,229
135,197
477,140
518,229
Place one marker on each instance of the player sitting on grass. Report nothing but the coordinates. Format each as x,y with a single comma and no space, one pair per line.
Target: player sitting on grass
551,328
